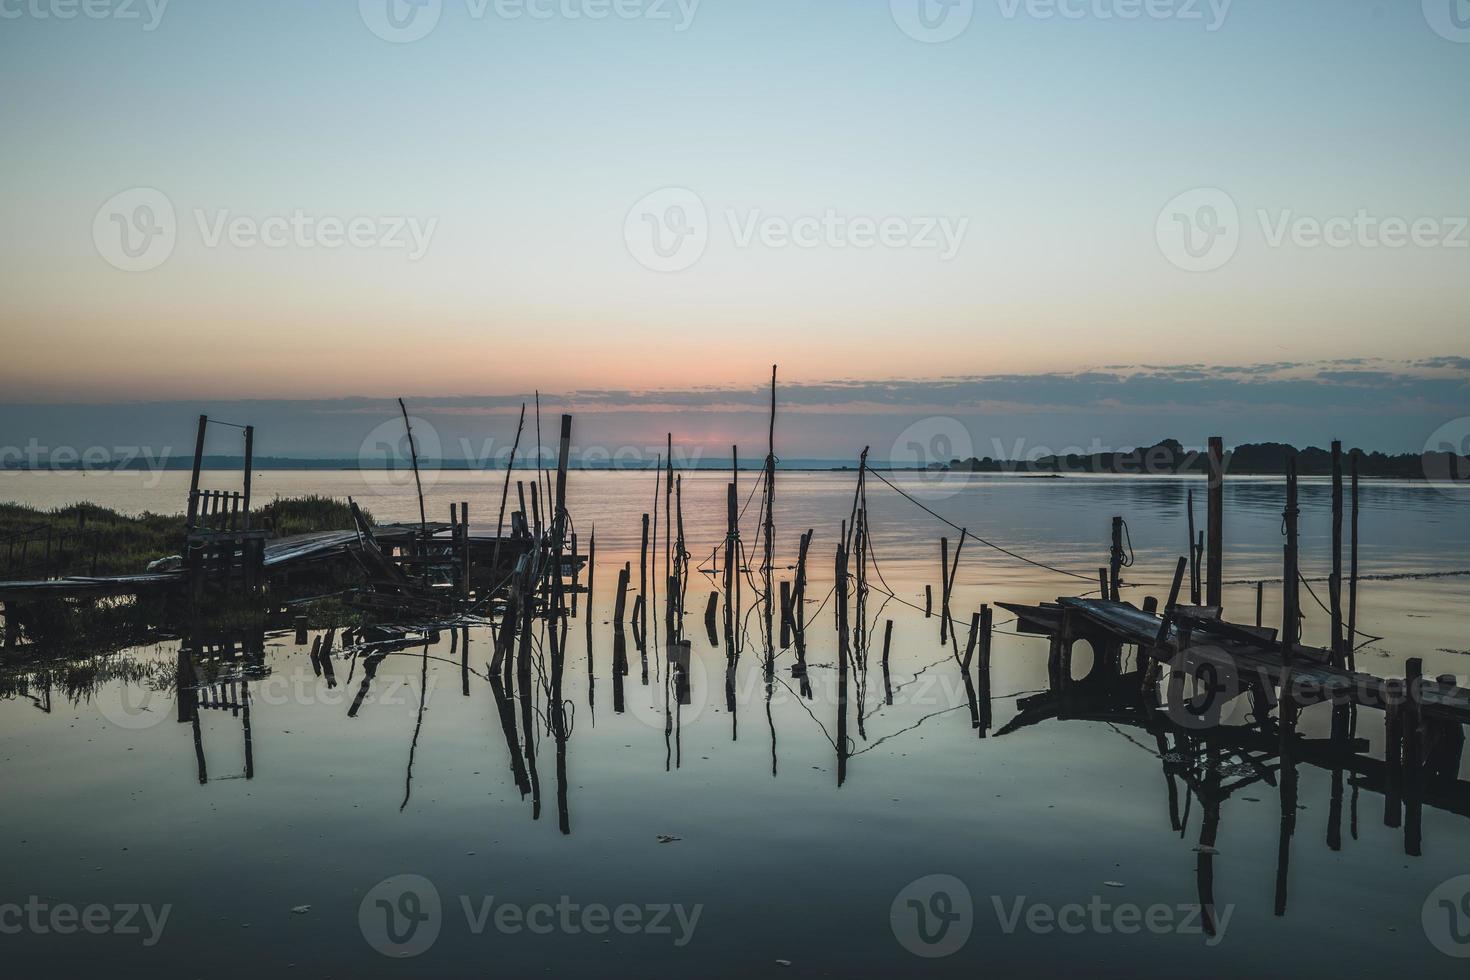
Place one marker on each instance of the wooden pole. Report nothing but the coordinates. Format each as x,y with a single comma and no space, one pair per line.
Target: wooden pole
943,590
1334,584
731,507
769,557
1216,520
249,465
1352,616
1114,588
1194,577
643,572
505,494
887,643
1290,620
413,455
198,464
622,601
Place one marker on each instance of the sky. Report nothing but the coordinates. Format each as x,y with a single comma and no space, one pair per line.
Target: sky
1005,211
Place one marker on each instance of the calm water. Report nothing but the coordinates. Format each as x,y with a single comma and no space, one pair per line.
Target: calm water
104,804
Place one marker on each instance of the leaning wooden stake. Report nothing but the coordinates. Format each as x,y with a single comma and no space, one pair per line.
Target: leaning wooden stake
505,493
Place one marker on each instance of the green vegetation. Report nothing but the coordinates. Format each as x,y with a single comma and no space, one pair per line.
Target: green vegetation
84,539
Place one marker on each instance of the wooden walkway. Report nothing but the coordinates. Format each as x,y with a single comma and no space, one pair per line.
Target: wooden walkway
1246,653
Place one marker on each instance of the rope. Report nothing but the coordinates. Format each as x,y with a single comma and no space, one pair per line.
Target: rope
988,544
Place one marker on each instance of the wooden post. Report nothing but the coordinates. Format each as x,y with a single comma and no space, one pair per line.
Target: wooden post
842,653
731,516
1194,576
785,614
198,464
1352,616
622,599
643,574
1334,584
1290,620
887,643
591,573
464,543
987,628
1260,600
943,590
1216,519
505,493
1114,586
413,454
1413,756
249,465
928,601
799,609
769,558
970,644
1167,622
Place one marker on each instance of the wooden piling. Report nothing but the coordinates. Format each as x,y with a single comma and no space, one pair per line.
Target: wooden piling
1215,561
643,575
1290,620
1334,584
1113,587
1352,616
785,614
622,600
970,643
1194,573
943,591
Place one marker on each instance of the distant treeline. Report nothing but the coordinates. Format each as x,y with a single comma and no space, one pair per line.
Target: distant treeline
1265,459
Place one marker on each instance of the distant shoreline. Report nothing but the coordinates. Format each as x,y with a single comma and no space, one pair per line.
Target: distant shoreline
1168,458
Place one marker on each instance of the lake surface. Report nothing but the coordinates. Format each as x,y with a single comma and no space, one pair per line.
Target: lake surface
684,837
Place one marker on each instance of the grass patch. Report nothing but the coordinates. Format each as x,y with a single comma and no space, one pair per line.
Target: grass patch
84,539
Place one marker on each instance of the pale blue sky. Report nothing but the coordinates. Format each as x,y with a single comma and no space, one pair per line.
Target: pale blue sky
526,142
